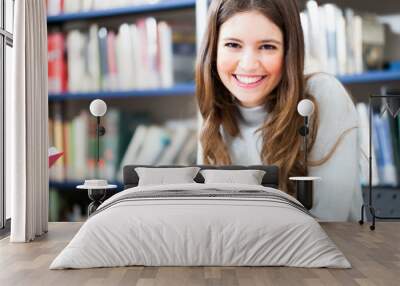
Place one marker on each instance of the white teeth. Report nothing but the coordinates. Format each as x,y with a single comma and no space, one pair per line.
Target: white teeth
248,80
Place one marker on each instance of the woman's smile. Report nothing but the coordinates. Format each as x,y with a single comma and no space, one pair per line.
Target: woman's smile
248,82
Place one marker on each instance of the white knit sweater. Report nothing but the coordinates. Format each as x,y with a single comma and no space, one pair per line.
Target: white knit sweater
337,197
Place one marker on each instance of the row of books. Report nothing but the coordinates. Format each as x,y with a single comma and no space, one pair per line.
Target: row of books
341,42
67,206
385,151
146,54
130,139
57,7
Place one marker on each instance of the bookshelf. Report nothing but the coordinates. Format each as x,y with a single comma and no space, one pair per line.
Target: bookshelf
184,89
189,88
160,103
169,5
370,77
361,86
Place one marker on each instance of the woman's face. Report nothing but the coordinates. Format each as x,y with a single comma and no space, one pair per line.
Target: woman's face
250,57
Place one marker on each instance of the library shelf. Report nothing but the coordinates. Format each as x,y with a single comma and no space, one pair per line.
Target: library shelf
382,187
137,9
370,77
183,89
189,88
71,185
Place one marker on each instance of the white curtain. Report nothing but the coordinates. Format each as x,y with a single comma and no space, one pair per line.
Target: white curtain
26,124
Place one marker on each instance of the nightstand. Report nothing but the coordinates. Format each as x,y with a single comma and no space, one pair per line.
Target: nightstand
96,192
304,187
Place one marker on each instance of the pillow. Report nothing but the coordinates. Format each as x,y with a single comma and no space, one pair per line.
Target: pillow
249,177
162,176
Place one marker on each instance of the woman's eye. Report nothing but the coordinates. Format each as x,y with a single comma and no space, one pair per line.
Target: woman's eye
268,47
232,45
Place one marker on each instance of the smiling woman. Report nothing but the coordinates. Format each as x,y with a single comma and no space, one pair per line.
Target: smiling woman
249,81
253,57
250,64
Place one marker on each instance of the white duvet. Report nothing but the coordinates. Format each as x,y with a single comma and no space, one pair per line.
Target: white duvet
183,231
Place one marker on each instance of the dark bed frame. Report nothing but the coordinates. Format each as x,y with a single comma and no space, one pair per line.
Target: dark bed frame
270,179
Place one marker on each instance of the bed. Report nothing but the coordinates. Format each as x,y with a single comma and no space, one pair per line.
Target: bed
201,224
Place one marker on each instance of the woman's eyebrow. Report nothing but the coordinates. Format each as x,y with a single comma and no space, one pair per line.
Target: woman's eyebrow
231,39
265,41
268,41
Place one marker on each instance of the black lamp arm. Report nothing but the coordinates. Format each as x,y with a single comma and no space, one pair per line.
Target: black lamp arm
304,130
305,188
100,131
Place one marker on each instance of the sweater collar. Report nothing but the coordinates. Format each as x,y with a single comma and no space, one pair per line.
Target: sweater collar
252,116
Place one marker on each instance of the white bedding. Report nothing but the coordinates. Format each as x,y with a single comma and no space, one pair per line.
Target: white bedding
182,231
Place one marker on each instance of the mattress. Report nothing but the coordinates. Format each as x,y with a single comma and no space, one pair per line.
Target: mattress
201,225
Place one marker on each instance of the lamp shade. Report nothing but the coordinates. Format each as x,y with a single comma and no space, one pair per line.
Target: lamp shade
305,107
98,107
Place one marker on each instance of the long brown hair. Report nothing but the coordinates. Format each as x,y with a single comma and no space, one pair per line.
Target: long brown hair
282,145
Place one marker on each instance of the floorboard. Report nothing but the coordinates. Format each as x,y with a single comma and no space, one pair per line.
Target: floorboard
374,255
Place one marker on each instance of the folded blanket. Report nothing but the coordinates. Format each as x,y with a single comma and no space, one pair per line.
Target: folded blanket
206,194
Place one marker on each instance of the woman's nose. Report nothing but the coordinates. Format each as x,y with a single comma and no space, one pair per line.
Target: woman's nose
249,61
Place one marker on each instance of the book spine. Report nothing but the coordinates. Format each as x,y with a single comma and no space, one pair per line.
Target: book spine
57,170
57,68
388,171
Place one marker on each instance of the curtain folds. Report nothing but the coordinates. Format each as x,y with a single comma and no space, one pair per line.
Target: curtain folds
27,124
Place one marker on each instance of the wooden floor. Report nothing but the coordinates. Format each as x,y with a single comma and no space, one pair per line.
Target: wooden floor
375,257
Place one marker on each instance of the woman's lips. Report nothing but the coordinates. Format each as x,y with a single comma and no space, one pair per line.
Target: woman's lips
248,81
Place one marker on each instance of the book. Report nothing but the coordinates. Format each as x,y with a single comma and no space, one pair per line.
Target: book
318,46
154,144
164,32
373,42
184,53
110,143
188,154
72,6
148,61
126,51
350,43
80,145
57,173
129,122
395,143
340,41
97,58
104,68
178,139
377,144
54,154
111,61
57,67
77,76
132,151
329,12
389,160
93,59
363,116
55,7
387,167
